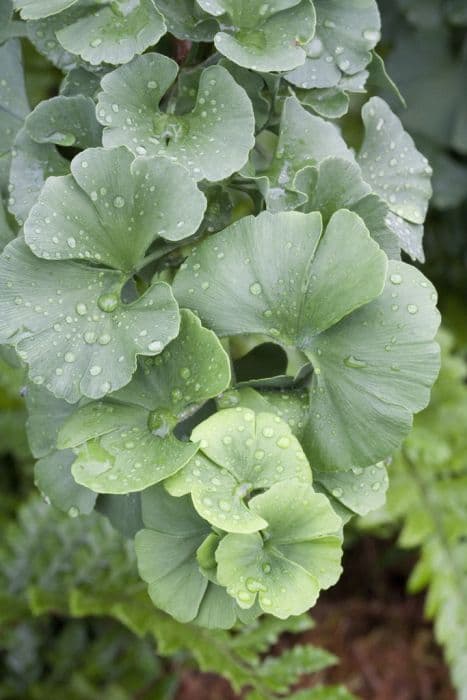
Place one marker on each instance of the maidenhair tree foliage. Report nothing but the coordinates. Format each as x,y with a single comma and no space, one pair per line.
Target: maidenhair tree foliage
204,281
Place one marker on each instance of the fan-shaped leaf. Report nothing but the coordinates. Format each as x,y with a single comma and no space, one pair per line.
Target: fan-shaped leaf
126,443
263,36
240,453
166,552
78,311
314,294
111,208
299,553
65,121
345,35
129,107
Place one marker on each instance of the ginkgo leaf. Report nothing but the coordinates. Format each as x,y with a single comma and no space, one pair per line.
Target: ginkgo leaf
304,140
6,234
351,491
129,108
240,453
186,20
38,9
277,277
42,34
337,184
111,33
31,164
384,362
53,478
13,103
65,121
126,443
112,207
52,472
396,171
263,36
80,81
70,325
298,554
166,552
345,35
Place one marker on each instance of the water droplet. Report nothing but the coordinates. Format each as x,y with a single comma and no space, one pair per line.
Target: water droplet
225,506
95,370
104,339
151,85
337,492
412,308
268,432
354,362
71,242
89,337
155,346
69,357
95,43
81,309
108,302
373,35
185,373
315,48
254,586
227,440
244,596
73,512
266,568
396,279
119,202
256,289
283,442
376,486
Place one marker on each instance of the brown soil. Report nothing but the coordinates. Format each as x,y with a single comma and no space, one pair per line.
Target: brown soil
386,648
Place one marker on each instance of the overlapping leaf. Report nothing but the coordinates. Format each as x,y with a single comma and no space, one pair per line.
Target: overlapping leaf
262,36
351,491
240,453
345,35
129,107
109,33
65,121
111,208
314,293
166,552
397,172
126,443
298,555
304,140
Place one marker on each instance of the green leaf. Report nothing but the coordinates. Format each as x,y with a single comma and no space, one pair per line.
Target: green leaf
38,9
124,512
112,33
13,103
380,360
338,184
166,552
32,163
313,293
129,107
6,234
263,36
65,121
282,672
299,554
46,415
304,141
43,36
89,214
393,167
255,87
127,442
78,311
240,453
80,81
186,20
345,35
52,476
350,491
